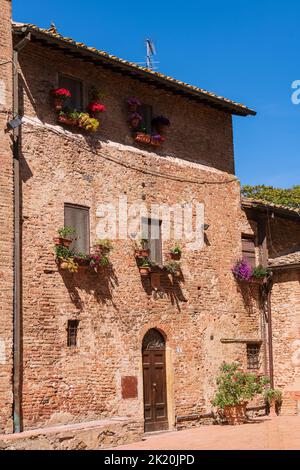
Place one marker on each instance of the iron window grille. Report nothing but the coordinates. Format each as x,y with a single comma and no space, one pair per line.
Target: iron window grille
72,333
253,352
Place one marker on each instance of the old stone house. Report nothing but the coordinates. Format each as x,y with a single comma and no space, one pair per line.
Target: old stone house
108,344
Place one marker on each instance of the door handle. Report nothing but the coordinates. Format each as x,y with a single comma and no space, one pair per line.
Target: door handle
154,385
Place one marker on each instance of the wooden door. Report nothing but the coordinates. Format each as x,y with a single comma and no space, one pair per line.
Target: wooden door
155,396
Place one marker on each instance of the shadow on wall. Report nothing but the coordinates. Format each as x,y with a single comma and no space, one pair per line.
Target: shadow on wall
170,287
99,283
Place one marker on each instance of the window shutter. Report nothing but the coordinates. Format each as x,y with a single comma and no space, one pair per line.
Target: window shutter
78,218
248,248
75,87
152,229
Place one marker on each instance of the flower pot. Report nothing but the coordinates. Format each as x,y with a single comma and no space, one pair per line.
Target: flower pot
235,415
67,121
58,103
175,256
63,241
155,280
142,253
142,138
155,142
272,409
144,270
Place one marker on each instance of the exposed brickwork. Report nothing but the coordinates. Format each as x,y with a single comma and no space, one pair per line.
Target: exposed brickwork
6,219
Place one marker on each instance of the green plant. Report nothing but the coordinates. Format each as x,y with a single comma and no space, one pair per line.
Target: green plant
176,250
273,394
104,261
236,386
145,263
74,115
286,197
88,123
105,244
259,272
66,232
69,264
172,267
62,252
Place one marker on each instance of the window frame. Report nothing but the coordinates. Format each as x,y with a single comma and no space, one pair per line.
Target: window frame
72,326
82,88
253,359
146,224
252,238
88,228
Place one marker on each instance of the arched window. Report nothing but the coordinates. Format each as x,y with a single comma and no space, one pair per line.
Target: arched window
153,340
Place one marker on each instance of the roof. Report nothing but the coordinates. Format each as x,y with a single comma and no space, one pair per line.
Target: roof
50,37
269,207
287,260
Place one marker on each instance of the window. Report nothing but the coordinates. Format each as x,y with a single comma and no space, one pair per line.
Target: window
248,248
147,115
72,333
253,350
78,217
75,87
151,229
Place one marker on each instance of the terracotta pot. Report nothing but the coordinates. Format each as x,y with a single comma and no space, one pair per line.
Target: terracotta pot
144,270
175,256
58,103
67,121
155,142
62,241
142,253
272,409
155,280
235,415
143,138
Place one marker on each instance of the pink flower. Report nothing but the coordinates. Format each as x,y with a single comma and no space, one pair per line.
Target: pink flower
97,108
62,93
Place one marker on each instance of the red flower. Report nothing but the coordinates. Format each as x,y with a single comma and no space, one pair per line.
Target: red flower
62,93
97,108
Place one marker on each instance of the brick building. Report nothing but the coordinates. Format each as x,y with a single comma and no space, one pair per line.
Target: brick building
97,345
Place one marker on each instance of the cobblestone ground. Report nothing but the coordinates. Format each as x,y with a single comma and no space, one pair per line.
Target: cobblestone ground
281,433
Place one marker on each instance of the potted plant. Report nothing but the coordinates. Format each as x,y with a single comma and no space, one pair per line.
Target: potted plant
82,260
141,250
68,264
96,109
173,268
157,140
66,236
69,119
145,267
65,258
160,124
133,104
242,270
60,96
88,123
235,389
103,246
259,274
135,120
273,398
175,253
142,138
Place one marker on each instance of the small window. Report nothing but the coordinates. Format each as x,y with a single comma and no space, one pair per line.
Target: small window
75,87
72,333
78,217
248,248
151,229
253,351
147,115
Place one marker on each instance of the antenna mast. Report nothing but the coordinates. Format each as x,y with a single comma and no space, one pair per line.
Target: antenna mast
150,53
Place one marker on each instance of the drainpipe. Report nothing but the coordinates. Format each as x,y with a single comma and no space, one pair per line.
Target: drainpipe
270,337
17,318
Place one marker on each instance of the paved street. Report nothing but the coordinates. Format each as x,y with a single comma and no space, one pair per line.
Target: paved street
281,433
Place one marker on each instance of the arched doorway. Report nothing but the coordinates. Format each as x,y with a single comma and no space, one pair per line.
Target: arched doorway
154,380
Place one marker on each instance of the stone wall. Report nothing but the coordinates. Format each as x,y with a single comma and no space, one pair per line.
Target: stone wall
6,219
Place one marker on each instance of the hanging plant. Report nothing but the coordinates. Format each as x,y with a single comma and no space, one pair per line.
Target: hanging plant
175,253
135,120
242,270
96,109
88,123
133,104
60,96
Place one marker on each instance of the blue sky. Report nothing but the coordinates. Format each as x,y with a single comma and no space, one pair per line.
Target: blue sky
246,51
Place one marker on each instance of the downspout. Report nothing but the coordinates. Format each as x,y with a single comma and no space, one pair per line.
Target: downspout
17,318
270,336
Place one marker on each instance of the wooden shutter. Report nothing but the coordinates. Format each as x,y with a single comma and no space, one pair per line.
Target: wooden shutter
78,218
248,248
152,229
146,113
75,87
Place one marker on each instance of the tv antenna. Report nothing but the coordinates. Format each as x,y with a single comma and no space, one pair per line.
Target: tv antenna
150,52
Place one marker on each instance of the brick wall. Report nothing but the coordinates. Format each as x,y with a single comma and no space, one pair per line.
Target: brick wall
286,337
283,236
63,385
6,219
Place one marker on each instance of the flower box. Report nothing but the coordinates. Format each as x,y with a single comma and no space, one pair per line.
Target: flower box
67,120
144,270
143,138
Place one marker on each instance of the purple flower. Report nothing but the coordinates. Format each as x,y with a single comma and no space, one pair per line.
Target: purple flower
133,102
242,270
